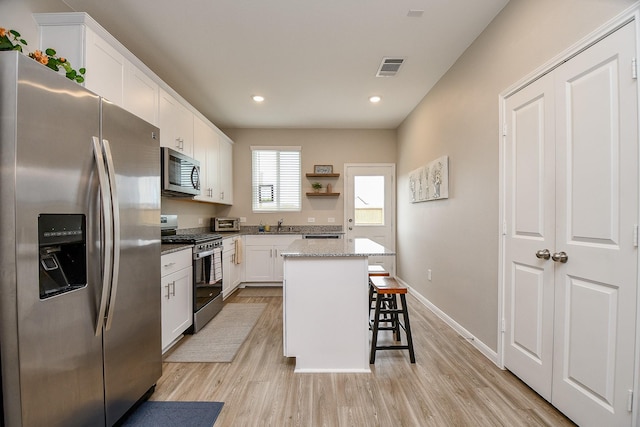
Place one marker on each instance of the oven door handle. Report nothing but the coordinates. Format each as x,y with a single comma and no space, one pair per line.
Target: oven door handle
204,254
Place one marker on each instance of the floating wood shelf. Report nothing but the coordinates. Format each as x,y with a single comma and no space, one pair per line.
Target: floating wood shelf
323,175
323,194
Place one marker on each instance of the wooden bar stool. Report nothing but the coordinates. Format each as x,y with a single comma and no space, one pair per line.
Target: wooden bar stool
374,271
387,311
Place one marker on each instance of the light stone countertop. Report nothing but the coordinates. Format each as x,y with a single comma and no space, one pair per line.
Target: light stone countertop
335,248
168,248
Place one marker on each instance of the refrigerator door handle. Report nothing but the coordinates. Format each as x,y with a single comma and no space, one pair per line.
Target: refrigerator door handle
107,246
115,209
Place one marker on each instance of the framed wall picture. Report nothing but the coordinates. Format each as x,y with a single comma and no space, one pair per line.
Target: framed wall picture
430,182
323,169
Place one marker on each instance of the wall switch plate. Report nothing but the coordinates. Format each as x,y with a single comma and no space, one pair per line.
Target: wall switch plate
243,219
331,220
429,274
310,219
200,221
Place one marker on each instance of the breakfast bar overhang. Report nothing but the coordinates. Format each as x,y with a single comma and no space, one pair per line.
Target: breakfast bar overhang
325,307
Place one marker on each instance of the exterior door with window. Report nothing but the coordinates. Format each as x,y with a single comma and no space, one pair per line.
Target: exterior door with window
370,207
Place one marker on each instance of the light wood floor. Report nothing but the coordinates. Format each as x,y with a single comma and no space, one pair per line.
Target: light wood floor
451,384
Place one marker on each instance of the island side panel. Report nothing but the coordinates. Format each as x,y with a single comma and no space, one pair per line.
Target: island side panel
325,313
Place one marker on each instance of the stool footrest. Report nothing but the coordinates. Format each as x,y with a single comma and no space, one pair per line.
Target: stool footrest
393,347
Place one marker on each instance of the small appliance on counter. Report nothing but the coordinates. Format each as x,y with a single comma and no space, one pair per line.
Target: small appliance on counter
225,224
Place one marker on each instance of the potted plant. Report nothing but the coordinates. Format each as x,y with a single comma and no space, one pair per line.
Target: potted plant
316,187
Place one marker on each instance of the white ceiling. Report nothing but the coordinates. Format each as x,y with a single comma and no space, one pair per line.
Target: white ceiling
314,61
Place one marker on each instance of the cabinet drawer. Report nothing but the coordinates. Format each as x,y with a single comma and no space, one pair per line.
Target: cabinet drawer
229,244
175,261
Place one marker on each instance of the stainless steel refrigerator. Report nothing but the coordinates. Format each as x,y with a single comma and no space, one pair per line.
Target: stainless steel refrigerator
80,338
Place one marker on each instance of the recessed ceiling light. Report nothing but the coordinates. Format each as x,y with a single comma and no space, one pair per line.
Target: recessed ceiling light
374,99
257,98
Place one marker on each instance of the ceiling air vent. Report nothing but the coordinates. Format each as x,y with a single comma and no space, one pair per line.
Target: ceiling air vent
389,67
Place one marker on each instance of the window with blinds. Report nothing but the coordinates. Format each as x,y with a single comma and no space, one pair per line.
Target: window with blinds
276,179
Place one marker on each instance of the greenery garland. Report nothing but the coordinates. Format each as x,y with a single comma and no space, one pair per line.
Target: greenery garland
11,40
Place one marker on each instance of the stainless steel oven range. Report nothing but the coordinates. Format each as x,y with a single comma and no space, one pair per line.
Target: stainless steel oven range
207,275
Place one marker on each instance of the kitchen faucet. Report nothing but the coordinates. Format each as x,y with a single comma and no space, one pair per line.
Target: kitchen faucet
280,224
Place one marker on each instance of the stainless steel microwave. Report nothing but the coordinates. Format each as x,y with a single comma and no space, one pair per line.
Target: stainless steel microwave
180,174
226,224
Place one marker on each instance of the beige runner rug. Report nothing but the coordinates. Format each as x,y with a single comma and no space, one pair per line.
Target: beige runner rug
221,338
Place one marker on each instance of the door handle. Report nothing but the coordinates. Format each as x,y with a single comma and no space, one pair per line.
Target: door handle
168,291
560,257
115,232
107,211
173,287
543,254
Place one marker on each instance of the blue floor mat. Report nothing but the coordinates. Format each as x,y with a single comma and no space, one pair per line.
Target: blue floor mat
174,414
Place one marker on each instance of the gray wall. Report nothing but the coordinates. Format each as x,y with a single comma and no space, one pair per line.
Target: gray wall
458,238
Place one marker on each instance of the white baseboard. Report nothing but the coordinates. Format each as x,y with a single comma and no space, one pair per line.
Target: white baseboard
479,345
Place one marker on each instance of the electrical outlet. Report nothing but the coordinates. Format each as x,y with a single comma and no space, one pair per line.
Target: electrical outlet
243,219
429,274
310,219
331,220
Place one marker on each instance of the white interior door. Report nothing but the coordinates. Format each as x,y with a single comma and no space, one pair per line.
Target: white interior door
370,207
571,172
530,215
597,209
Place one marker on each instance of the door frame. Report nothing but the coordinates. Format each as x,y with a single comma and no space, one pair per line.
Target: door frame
630,15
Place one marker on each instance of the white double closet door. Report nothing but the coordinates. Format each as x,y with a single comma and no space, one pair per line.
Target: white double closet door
571,190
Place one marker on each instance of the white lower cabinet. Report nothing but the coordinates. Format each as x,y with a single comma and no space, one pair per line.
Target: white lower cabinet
232,265
177,295
262,253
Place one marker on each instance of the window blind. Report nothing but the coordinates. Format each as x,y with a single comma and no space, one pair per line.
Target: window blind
276,179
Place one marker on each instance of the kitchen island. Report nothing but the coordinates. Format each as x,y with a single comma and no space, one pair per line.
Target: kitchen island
325,307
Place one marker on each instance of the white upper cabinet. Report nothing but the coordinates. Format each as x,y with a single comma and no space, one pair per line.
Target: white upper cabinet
86,45
106,68
226,170
214,150
109,73
114,73
141,94
176,124
206,150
